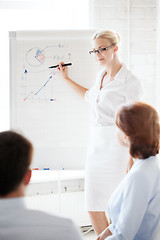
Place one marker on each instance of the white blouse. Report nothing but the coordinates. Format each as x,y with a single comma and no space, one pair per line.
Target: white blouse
124,87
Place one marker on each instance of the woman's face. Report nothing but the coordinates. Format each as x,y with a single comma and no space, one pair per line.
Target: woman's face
106,56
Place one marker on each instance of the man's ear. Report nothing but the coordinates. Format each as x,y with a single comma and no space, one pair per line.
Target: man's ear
27,177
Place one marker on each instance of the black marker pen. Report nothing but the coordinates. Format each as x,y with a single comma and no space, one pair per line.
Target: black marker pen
63,65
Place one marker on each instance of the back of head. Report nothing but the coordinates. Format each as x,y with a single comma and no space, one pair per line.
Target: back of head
113,37
15,159
140,122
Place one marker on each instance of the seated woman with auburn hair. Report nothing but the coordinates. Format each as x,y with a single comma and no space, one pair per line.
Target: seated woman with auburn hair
134,207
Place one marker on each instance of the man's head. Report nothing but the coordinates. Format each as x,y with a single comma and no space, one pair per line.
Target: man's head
15,159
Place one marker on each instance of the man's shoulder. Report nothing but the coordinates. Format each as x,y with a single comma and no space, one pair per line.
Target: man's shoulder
37,225
48,219
51,224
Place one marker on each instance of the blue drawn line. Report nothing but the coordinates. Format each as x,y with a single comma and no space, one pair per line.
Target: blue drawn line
43,85
35,93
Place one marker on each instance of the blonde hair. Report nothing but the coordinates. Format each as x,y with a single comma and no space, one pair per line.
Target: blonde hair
113,37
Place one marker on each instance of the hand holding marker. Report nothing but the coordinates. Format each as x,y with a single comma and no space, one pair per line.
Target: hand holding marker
62,67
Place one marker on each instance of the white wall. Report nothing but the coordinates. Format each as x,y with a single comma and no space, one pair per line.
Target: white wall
135,20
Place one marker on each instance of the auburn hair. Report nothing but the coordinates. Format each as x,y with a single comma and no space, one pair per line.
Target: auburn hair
140,123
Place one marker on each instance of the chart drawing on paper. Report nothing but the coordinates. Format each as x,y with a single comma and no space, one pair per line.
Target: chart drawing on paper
44,107
38,81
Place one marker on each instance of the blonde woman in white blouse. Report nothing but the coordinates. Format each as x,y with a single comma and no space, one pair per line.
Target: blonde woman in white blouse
107,159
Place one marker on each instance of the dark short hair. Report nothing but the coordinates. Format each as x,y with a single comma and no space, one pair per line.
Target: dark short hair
140,122
15,159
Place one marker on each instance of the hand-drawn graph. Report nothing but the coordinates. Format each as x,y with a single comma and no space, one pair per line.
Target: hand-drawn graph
38,80
35,93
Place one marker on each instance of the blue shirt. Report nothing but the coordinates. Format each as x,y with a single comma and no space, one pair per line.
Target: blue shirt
134,207
17,223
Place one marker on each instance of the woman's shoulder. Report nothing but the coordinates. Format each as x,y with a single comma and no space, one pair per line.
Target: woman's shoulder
145,169
126,76
131,77
134,86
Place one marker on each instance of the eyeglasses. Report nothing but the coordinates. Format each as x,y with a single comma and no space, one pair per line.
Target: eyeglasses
100,50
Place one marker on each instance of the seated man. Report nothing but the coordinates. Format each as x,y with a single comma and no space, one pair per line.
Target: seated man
16,221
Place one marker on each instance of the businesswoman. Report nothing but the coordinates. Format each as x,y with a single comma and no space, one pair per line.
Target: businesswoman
106,159
134,206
